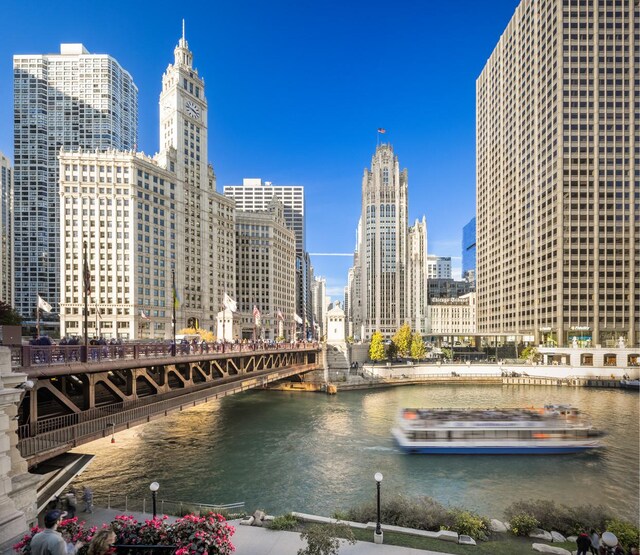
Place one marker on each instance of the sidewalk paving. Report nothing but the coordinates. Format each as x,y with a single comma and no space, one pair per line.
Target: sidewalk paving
252,540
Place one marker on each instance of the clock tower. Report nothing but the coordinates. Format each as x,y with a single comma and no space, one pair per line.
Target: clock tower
183,126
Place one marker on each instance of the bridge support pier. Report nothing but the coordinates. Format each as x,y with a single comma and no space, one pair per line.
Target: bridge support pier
18,488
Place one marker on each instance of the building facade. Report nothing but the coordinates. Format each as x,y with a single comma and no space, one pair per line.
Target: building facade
418,314
447,288
382,251
255,195
265,270
455,316
438,267
6,230
121,205
319,306
204,233
469,251
71,100
558,171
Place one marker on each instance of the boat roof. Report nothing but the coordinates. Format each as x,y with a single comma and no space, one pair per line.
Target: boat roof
549,412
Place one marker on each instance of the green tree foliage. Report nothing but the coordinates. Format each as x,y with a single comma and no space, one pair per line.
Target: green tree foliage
324,539
392,351
8,315
418,349
447,354
402,340
376,349
530,354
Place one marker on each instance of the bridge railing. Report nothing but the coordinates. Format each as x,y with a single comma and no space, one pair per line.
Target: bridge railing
51,355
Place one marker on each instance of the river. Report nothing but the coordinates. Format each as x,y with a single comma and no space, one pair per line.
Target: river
289,451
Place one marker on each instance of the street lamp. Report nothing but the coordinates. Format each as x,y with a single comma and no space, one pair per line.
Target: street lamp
154,487
377,536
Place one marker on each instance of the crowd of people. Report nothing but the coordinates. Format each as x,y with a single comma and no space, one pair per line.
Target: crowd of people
593,543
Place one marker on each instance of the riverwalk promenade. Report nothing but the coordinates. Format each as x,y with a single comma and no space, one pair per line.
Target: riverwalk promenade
251,540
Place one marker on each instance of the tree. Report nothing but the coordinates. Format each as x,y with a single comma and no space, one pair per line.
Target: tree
376,349
447,354
402,340
8,315
324,539
204,334
530,354
418,349
392,351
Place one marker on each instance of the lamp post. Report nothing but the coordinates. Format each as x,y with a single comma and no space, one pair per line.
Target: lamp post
154,487
377,536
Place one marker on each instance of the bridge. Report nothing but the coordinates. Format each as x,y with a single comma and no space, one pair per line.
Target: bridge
120,386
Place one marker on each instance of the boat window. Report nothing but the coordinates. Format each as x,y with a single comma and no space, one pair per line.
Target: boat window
441,435
633,360
610,359
524,434
586,359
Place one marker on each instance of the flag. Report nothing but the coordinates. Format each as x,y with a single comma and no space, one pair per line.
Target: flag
176,299
297,318
230,303
43,305
381,130
86,277
98,314
256,315
279,315
143,315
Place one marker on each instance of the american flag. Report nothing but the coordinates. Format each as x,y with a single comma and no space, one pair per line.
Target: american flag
381,130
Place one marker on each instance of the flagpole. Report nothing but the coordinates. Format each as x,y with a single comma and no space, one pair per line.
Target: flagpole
38,315
86,299
173,314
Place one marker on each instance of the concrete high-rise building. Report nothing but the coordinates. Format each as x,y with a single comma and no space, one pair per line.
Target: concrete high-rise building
382,251
558,173
204,233
319,305
418,314
71,100
438,267
6,230
255,195
469,251
265,270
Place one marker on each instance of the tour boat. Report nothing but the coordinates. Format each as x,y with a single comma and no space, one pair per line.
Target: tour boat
554,429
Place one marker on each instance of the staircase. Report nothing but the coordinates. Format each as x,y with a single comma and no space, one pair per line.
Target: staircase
338,356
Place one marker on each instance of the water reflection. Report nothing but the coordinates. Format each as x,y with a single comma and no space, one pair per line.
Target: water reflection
285,451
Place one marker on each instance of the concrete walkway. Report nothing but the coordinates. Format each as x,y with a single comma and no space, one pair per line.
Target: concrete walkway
251,540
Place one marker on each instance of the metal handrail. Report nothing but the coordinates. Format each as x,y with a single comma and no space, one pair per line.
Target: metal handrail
26,356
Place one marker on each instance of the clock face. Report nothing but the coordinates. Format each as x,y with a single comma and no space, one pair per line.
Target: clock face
192,109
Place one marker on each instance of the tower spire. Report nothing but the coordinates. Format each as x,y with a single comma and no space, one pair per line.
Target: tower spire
183,37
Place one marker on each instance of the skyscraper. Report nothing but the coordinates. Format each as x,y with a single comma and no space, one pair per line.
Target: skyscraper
438,267
6,230
382,252
72,100
558,173
418,315
255,195
469,251
205,235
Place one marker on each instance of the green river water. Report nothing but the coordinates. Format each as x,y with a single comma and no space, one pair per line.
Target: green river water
286,451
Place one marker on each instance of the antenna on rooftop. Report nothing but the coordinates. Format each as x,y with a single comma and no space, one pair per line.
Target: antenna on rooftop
183,28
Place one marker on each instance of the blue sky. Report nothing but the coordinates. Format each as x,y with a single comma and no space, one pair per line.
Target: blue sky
296,92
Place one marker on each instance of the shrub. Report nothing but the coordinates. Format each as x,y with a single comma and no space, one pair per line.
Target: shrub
628,535
324,539
422,513
471,524
284,522
523,523
567,520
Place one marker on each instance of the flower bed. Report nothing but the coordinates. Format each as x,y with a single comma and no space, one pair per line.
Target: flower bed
191,534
